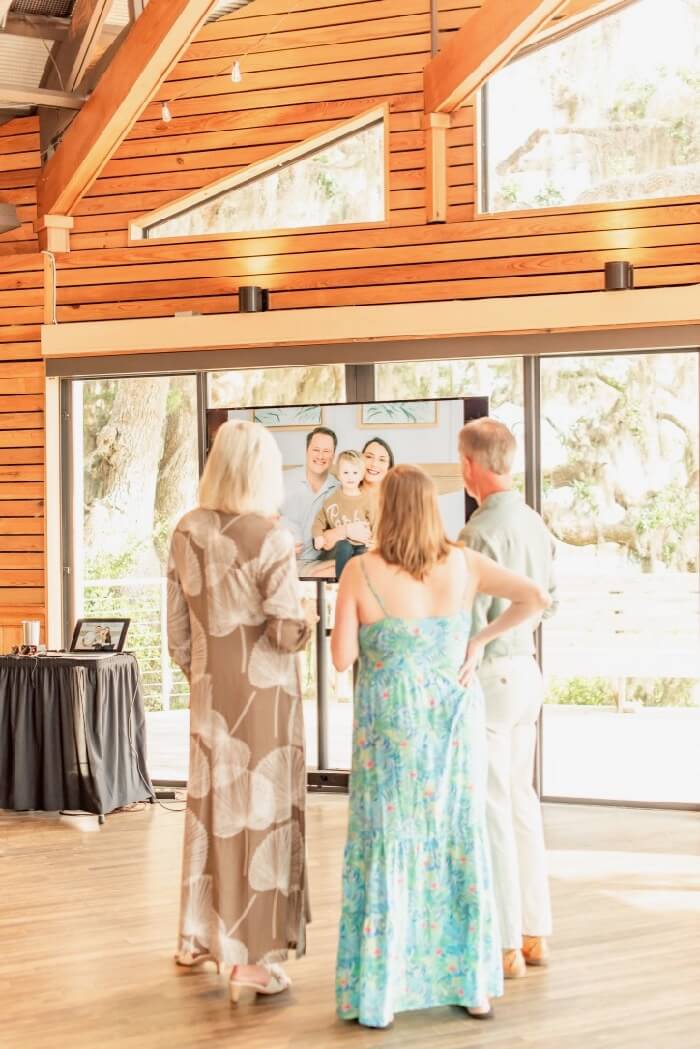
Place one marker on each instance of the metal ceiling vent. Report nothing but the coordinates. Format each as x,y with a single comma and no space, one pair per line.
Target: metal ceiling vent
9,219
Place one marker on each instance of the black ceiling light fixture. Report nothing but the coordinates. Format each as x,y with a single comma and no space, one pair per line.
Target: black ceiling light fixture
9,219
619,276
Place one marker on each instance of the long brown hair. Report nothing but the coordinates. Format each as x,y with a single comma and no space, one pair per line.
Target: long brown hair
410,532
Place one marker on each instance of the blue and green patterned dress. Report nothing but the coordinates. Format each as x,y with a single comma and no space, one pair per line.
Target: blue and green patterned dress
418,926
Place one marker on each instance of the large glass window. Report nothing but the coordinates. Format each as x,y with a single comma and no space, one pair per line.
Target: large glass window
341,183
500,379
610,112
135,473
302,385
621,656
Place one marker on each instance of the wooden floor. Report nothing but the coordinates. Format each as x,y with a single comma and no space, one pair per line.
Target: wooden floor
87,921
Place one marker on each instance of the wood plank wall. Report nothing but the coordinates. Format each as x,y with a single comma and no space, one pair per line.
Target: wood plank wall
21,390
329,60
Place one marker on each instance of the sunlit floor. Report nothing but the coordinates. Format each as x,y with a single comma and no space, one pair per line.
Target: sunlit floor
589,752
88,918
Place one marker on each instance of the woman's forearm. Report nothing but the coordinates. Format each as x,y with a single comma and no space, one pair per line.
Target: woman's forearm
517,613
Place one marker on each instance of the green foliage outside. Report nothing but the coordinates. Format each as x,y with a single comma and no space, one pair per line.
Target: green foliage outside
603,692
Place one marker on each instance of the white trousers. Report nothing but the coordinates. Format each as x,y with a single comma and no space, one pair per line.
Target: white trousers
514,691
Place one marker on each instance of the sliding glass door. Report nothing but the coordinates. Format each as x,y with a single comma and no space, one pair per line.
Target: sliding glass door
135,470
619,454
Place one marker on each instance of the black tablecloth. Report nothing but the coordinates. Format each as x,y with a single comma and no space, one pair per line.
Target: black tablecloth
72,733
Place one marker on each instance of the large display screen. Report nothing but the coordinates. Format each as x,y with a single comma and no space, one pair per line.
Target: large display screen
335,456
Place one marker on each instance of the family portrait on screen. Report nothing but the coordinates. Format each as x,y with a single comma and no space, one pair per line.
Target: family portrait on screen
335,458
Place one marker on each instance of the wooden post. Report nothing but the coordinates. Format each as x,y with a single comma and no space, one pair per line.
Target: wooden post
435,126
53,232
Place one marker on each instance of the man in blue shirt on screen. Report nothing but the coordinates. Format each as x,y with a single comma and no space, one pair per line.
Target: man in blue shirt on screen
306,491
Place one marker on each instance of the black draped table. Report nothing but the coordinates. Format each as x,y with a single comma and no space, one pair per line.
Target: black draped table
72,733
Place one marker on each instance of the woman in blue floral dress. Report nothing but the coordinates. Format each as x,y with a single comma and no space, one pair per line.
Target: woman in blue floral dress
418,924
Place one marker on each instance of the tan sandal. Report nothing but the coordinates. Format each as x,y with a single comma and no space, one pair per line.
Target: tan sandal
278,982
191,961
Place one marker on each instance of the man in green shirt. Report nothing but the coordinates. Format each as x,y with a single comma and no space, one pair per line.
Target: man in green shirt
506,529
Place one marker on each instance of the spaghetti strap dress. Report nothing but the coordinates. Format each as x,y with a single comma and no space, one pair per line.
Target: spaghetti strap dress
418,925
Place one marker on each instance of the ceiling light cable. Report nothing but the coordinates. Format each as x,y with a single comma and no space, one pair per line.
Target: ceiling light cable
235,71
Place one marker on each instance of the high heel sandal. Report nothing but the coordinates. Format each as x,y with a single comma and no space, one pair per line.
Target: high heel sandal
278,982
191,961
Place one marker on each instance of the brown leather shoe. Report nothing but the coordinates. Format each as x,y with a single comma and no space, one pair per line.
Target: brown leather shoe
513,965
535,950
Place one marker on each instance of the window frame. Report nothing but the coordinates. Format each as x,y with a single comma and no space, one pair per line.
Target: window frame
481,187
138,228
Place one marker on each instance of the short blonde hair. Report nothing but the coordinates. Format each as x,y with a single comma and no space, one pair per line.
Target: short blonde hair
354,457
489,443
243,473
410,532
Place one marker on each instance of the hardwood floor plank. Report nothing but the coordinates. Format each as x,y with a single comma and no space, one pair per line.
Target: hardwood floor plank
88,922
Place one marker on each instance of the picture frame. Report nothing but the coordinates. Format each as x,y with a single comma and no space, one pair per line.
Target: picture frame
413,414
99,634
290,417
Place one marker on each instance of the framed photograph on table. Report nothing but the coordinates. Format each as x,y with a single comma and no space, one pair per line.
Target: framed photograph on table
99,635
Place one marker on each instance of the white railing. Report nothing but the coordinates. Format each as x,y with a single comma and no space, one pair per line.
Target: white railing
164,685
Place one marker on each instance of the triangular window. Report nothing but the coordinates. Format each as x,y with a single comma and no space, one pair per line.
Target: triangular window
336,178
610,112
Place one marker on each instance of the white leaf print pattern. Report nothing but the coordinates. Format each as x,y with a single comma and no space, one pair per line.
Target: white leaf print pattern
197,912
278,861
201,524
200,708
196,846
270,668
220,555
199,656
231,951
231,756
284,769
187,564
295,729
247,800
199,779
235,601
282,586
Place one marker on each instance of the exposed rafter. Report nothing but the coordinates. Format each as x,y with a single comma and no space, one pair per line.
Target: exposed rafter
154,44
47,27
576,15
38,96
484,43
71,58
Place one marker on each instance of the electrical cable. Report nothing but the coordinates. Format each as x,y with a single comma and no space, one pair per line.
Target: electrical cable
235,71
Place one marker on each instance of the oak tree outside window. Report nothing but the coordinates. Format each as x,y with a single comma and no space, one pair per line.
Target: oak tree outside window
340,183
608,113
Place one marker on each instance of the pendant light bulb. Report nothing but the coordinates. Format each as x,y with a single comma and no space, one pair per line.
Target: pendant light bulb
165,113
236,75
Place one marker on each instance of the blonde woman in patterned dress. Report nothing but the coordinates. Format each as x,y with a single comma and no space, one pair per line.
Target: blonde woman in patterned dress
418,926
234,623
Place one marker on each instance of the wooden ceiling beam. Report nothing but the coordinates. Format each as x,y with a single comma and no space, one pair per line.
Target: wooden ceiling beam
154,44
71,58
69,62
48,27
485,42
576,15
39,96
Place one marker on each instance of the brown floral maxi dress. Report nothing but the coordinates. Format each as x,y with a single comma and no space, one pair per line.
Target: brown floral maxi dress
234,624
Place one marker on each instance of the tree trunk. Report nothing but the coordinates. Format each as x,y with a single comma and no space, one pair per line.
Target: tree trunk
124,466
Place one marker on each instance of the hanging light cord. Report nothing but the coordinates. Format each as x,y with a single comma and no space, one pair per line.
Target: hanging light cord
253,49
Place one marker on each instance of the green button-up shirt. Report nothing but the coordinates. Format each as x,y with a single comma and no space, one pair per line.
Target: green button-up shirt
511,533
